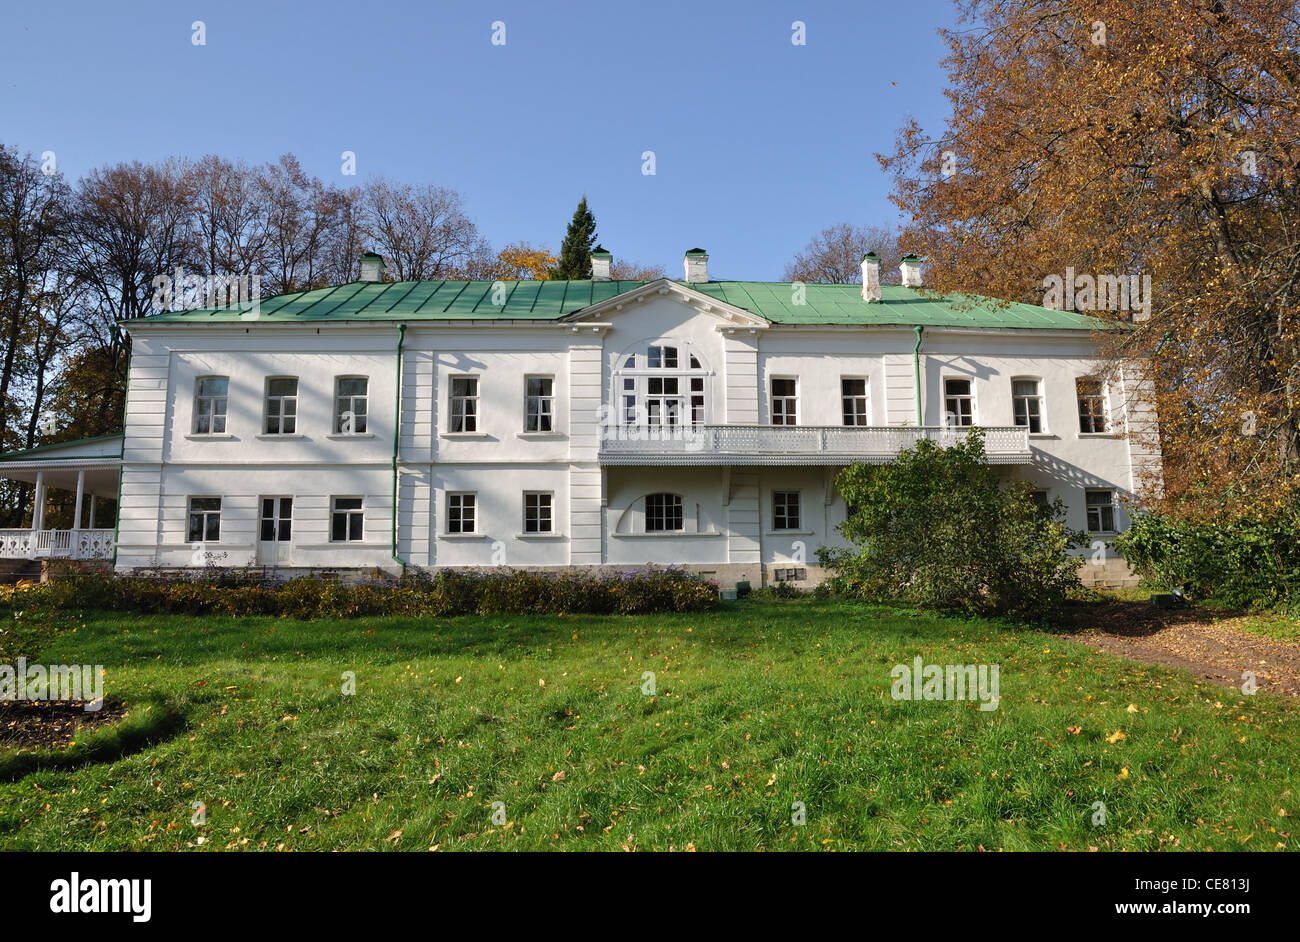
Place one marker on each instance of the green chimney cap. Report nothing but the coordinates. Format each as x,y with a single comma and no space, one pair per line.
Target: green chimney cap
696,252
871,255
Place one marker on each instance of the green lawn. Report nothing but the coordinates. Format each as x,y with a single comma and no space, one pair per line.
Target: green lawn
758,706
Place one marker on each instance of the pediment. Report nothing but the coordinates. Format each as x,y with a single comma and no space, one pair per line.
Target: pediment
727,315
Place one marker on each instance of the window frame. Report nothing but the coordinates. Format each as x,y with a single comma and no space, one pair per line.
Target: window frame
1101,397
968,398
1111,506
788,526
349,513
211,415
789,410
203,514
865,397
546,400
280,399
1037,397
352,401
458,498
665,513
632,378
550,513
457,404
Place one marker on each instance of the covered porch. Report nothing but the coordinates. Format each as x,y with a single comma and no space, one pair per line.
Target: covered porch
88,471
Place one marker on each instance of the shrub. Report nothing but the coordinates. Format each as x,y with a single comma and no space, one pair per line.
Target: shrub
1250,559
935,529
449,592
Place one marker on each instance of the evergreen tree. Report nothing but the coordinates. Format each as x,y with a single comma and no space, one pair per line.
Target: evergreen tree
575,251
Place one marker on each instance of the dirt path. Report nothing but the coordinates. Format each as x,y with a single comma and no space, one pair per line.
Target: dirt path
1208,646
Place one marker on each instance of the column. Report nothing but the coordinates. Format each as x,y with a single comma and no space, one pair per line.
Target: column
74,538
38,502
76,513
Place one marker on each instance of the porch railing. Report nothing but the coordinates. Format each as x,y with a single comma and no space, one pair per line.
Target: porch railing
56,544
775,444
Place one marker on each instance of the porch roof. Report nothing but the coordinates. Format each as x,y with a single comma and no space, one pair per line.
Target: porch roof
59,463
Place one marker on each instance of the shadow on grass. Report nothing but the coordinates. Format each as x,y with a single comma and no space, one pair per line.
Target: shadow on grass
147,723
1133,618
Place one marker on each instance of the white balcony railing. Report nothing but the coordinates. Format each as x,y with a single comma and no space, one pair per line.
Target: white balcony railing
792,444
56,544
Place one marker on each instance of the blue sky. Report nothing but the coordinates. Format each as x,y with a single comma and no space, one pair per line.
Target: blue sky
758,143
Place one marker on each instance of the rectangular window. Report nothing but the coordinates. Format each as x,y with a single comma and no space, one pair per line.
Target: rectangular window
1092,405
1101,511
785,409
662,358
539,404
853,396
785,510
464,404
663,512
460,513
1039,498
350,403
958,403
205,519
347,523
537,512
277,517
1028,404
697,398
210,405
281,406
663,402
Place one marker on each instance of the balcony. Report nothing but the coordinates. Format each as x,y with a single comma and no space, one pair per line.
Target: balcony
56,544
792,444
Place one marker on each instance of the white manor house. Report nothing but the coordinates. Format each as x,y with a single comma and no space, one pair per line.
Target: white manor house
385,425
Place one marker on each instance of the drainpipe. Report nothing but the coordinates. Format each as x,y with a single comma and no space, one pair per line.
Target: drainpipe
397,436
916,372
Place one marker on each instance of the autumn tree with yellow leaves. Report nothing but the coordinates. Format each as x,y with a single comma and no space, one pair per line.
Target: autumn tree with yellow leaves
1124,138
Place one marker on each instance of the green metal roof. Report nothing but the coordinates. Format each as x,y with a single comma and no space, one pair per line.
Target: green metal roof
552,300
52,450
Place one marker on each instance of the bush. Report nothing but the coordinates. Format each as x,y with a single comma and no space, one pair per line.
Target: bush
449,592
1247,560
935,529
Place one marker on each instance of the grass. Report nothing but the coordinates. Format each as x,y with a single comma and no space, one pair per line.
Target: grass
757,706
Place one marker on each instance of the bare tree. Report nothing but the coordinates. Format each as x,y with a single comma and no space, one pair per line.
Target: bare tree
834,255
33,226
422,232
631,271
230,215
308,224
130,223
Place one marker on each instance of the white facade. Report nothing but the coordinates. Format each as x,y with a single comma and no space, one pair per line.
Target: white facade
730,473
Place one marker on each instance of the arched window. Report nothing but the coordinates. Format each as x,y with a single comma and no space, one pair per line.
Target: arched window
661,384
663,513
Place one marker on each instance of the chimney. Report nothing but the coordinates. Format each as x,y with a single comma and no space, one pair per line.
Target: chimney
910,268
372,267
871,277
600,262
697,266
